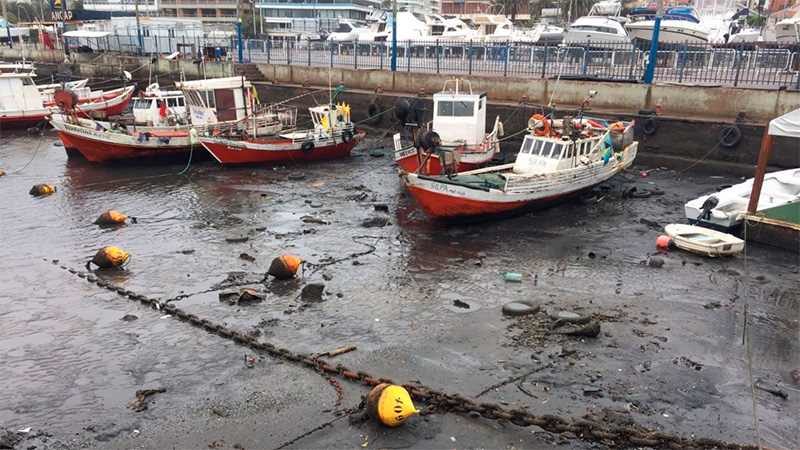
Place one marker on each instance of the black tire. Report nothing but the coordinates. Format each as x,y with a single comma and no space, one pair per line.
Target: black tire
730,136
307,146
347,136
402,108
649,126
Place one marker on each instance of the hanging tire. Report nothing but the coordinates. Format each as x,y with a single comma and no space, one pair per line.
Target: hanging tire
372,111
649,126
730,136
307,146
347,136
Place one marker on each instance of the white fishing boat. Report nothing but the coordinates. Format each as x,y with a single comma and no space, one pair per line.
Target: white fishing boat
49,89
554,163
459,128
157,107
724,210
597,31
704,241
21,102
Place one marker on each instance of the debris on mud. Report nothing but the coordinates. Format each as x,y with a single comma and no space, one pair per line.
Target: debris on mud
375,222
552,327
520,308
247,257
314,220
313,293
591,329
337,352
9,439
656,262
236,239
128,318
771,388
242,296
139,404
460,304
688,363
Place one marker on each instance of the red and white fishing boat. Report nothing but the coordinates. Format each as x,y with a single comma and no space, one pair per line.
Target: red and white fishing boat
333,136
88,103
21,103
160,130
458,126
549,167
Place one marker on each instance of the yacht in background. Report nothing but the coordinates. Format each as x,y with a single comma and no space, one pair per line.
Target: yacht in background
679,25
596,29
351,31
787,31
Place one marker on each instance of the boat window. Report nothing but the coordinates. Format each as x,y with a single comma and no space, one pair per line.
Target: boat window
141,103
27,81
172,102
343,28
557,149
180,101
547,147
526,146
459,108
480,103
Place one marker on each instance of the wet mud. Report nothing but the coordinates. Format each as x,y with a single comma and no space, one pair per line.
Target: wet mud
420,301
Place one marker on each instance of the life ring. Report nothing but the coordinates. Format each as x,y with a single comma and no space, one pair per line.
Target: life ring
347,136
730,136
649,126
545,127
307,146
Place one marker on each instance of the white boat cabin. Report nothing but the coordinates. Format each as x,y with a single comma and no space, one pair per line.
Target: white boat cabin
459,117
19,95
549,154
218,99
327,118
156,107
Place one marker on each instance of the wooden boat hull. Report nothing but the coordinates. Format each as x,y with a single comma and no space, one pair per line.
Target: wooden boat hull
704,241
276,150
22,119
104,147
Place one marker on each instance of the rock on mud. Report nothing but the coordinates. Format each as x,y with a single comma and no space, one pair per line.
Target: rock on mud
656,262
9,439
520,308
375,222
591,329
313,293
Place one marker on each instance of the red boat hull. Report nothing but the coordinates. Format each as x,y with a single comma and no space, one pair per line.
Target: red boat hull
101,151
433,166
21,121
448,207
281,151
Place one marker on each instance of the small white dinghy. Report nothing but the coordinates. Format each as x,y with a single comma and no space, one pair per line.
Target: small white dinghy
704,241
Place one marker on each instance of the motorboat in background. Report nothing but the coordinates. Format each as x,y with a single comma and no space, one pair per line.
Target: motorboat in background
21,102
724,210
349,30
787,31
597,31
679,25
459,131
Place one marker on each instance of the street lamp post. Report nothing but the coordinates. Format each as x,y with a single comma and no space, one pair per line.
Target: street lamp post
649,73
394,36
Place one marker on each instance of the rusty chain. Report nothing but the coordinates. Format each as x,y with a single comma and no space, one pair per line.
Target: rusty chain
618,436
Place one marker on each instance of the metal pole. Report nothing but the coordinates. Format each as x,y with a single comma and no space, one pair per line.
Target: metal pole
761,169
394,36
651,61
253,13
239,40
138,27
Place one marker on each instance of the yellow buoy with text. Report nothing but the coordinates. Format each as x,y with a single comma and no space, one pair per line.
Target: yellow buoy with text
109,257
390,404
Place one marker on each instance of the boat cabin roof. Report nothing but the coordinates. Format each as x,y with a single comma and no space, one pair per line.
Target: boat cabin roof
214,83
556,147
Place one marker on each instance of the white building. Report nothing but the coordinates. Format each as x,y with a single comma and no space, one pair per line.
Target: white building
299,17
421,6
145,6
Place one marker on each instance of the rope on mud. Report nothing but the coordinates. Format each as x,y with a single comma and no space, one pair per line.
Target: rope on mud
375,115
325,263
699,160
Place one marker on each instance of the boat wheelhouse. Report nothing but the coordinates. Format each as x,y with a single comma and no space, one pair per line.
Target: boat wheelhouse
154,107
21,102
459,124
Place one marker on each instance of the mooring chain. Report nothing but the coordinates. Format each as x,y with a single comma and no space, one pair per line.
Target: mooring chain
437,401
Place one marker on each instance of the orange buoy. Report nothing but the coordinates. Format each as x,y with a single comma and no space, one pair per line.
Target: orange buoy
40,190
285,266
109,257
663,241
111,217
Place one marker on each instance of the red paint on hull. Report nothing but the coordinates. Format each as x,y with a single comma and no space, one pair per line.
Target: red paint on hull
235,155
101,151
433,166
21,121
109,111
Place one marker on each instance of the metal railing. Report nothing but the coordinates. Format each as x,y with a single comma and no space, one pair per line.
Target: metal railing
762,66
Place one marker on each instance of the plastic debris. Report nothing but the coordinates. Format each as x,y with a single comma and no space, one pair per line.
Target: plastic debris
514,277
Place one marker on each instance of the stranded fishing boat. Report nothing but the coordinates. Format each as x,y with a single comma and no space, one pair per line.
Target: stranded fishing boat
459,129
151,135
333,136
157,107
552,164
89,103
21,103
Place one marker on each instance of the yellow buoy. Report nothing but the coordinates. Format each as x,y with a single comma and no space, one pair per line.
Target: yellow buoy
111,217
43,189
390,404
285,266
109,257
2,172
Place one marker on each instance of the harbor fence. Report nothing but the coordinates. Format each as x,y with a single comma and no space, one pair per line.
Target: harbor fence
766,66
